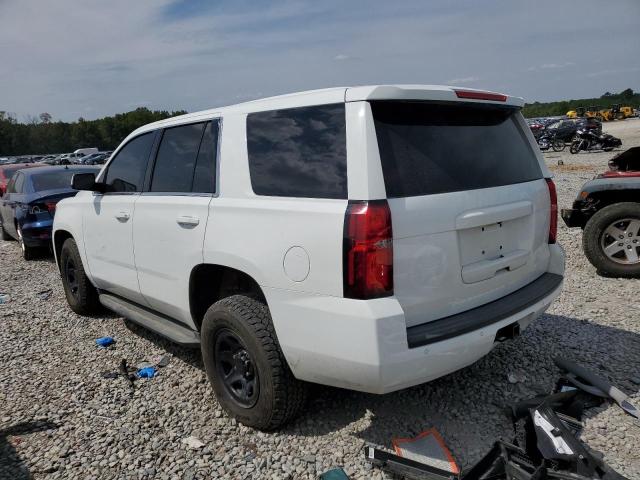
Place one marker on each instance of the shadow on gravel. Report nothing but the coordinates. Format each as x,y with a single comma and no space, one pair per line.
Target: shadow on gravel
467,406
191,356
11,466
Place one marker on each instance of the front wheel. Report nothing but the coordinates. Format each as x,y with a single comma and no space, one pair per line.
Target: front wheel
558,145
249,374
611,240
81,295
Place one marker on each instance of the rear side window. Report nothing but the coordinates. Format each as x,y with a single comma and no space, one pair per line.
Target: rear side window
126,171
429,148
204,177
176,160
299,152
19,183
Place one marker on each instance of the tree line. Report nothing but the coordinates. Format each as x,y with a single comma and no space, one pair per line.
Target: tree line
42,135
551,109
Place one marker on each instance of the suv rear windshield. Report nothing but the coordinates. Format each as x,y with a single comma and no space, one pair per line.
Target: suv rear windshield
429,148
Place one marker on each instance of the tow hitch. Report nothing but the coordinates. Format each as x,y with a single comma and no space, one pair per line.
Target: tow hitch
508,333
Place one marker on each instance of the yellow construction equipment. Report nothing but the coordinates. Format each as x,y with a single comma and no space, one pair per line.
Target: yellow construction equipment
626,111
578,112
592,112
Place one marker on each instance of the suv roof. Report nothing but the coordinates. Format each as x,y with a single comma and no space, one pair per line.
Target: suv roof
335,95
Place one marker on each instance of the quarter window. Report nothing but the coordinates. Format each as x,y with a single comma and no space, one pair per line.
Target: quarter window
299,152
126,171
19,183
204,177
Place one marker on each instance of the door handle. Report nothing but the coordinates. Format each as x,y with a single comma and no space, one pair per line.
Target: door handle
187,221
123,216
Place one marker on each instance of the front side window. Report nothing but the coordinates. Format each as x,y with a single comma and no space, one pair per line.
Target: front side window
126,172
298,152
176,159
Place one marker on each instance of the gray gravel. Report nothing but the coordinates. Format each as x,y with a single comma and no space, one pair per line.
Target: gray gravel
60,419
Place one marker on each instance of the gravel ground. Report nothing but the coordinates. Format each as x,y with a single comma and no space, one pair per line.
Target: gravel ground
60,419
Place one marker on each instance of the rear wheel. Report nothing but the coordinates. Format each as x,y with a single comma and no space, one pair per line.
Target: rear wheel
575,147
28,253
245,365
81,295
4,234
611,240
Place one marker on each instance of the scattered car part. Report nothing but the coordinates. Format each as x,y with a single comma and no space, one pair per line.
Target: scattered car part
598,382
545,444
105,341
629,160
427,448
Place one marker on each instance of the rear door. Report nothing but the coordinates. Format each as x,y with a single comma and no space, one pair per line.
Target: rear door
470,207
171,216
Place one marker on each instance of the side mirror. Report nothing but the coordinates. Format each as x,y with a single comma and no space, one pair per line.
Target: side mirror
87,181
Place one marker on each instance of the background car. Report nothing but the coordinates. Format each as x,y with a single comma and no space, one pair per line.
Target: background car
95,158
29,204
8,170
566,129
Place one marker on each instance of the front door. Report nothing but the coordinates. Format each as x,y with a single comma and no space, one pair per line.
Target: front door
108,220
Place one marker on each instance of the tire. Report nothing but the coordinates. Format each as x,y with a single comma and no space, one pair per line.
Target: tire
5,236
28,253
619,261
275,397
558,145
81,295
575,147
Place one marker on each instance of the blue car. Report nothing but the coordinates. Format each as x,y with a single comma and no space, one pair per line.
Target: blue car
29,204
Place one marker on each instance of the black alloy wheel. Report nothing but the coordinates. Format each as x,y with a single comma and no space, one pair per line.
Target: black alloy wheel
236,368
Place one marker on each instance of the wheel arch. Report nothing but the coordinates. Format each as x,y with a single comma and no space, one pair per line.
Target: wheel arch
210,282
59,237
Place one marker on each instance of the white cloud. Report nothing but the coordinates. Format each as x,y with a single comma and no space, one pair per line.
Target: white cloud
68,57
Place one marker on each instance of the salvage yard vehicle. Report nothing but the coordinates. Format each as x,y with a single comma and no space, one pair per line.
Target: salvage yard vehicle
7,171
370,238
608,210
28,207
586,140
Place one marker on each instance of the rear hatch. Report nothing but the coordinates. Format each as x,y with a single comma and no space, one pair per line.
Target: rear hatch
469,205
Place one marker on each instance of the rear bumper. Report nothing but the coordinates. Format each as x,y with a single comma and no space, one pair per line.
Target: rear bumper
38,233
364,345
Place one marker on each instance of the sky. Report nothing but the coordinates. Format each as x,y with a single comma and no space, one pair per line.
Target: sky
93,58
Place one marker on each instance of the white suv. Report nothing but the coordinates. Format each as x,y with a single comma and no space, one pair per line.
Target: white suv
370,238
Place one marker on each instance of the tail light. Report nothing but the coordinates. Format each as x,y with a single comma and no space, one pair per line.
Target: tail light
553,218
43,207
368,250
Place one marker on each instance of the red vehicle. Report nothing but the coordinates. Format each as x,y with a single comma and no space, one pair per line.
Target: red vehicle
7,171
